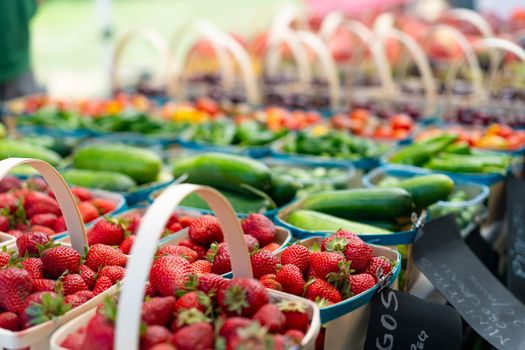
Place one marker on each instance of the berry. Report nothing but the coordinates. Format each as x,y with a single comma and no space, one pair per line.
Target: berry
320,289
59,259
103,206
183,252
34,267
295,313
295,335
154,335
263,262
45,230
186,221
88,211
8,201
60,225
103,283
15,287
323,263
131,221
269,282
193,300
40,203
199,249
9,183
243,297
73,283
9,320
297,255
210,282
359,254
195,336
100,331
107,232
4,223
260,227
270,317
114,273
28,243
205,230
42,285
88,275
127,244
232,324
169,274
361,283
79,298
219,255
251,242
47,220
375,263
82,194
100,255
291,279
158,311
4,258
201,267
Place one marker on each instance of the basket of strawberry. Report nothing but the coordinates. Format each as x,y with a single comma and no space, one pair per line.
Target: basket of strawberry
192,311
30,205
44,283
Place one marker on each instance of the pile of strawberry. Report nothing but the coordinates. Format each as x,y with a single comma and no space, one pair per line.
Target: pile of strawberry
31,206
207,312
341,267
45,279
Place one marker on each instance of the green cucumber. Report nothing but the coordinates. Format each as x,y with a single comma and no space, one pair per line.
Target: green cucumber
104,180
428,189
139,164
315,221
14,148
240,204
363,203
284,188
224,171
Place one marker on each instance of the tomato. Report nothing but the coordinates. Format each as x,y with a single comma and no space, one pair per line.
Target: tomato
401,121
401,134
341,122
505,131
475,136
383,132
516,140
207,105
360,114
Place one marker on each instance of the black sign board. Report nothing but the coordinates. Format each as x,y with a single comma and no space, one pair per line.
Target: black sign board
516,237
483,302
402,321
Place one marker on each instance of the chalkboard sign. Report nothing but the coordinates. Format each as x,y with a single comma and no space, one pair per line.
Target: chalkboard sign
483,302
516,237
402,321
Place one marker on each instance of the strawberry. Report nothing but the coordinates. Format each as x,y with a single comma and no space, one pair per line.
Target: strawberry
148,289
131,221
295,313
338,241
9,320
272,284
60,225
100,331
194,299
34,267
38,184
271,317
45,230
174,218
79,298
47,220
219,255
82,194
291,279
106,231
201,267
297,255
256,337
355,250
188,317
263,262
271,247
88,211
103,283
260,227
158,311
295,335
4,223
28,243
163,346
195,336
114,273
88,275
360,283
103,205
15,233
183,252
73,283
243,297
199,249
210,282
8,201
42,285
323,263
205,230
40,203
169,274
41,307
251,242
100,255
4,258
74,340
174,227
232,324
9,183
376,263
318,289
59,259
154,335
127,244
186,221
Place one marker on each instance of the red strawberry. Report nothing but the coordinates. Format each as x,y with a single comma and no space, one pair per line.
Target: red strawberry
132,221
60,225
28,243
100,255
15,233
9,320
320,289
260,227
9,183
272,247
174,227
219,255
4,258
183,252
74,340
195,299
88,211
106,231
338,241
42,285
127,244
243,297
263,262
323,263
4,223
148,290
41,307
270,317
295,335
272,284
232,324
163,346
15,287
103,283
199,249
82,194
154,335
59,259
359,254
295,313
361,282
45,230
79,298
158,311
22,226
188,317
205,230
375,263
40,203
201,267
100,332
34,267
186,221
195,336
47,220
174,218
88,275
9,201
114,273
291,279
297,255
169,274
209,282
37,183
103,205
251,242
73,283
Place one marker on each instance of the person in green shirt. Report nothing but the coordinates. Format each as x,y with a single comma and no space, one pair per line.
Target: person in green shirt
16,77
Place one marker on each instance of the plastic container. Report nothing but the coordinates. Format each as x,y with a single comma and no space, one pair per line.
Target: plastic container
127,327
37,337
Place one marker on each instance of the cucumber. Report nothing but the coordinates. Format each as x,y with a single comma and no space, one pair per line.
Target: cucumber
14,148
316,221
284,188
241,204
224,171
104,180
139,164
363,203
428,189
